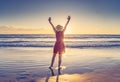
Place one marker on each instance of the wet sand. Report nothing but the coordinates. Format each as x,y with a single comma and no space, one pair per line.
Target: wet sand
82,65
106,75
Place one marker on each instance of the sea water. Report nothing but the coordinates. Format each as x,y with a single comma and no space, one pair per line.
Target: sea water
71,40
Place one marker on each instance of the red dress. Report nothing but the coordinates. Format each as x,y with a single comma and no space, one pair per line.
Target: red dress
59,46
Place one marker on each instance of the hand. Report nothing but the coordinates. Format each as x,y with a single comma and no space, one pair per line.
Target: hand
49,19
69,18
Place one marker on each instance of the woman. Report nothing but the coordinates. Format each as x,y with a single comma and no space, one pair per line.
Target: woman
59,47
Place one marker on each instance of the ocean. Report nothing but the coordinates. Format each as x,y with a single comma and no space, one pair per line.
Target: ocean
48,40
26,58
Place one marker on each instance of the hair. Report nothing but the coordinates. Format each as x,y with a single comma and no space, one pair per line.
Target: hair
59,28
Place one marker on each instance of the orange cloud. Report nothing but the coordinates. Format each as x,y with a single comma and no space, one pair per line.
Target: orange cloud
13,30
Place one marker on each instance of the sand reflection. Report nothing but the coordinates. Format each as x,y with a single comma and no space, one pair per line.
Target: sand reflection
51,73
106,75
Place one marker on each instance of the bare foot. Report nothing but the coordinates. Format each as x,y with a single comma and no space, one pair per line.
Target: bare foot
59,67
50,67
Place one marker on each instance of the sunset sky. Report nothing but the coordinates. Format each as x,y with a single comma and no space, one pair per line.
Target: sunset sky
88,16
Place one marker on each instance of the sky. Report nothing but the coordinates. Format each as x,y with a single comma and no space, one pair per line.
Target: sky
87,16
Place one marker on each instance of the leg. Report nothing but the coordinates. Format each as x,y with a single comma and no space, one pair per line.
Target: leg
60,60
53,59
52,72
59,71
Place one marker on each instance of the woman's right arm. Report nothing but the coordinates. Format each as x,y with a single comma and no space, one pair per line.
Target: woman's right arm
52,24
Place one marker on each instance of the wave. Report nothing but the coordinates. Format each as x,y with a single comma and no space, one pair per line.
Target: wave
72,41
53,36
69,44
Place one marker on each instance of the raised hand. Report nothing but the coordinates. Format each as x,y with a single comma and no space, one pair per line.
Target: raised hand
69,17
49,19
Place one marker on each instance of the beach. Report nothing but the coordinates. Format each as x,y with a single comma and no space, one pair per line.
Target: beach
93,58
31,65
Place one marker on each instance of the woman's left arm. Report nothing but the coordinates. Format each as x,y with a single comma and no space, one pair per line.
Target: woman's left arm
67,23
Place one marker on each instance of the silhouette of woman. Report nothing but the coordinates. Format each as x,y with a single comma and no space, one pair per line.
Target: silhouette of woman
59,47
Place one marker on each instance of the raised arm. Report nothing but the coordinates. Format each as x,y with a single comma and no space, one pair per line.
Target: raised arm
51,24
67,23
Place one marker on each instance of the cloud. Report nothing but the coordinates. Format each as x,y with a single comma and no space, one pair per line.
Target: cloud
12,30
5,27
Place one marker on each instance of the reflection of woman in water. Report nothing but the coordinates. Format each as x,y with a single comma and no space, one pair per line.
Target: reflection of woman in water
59,47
